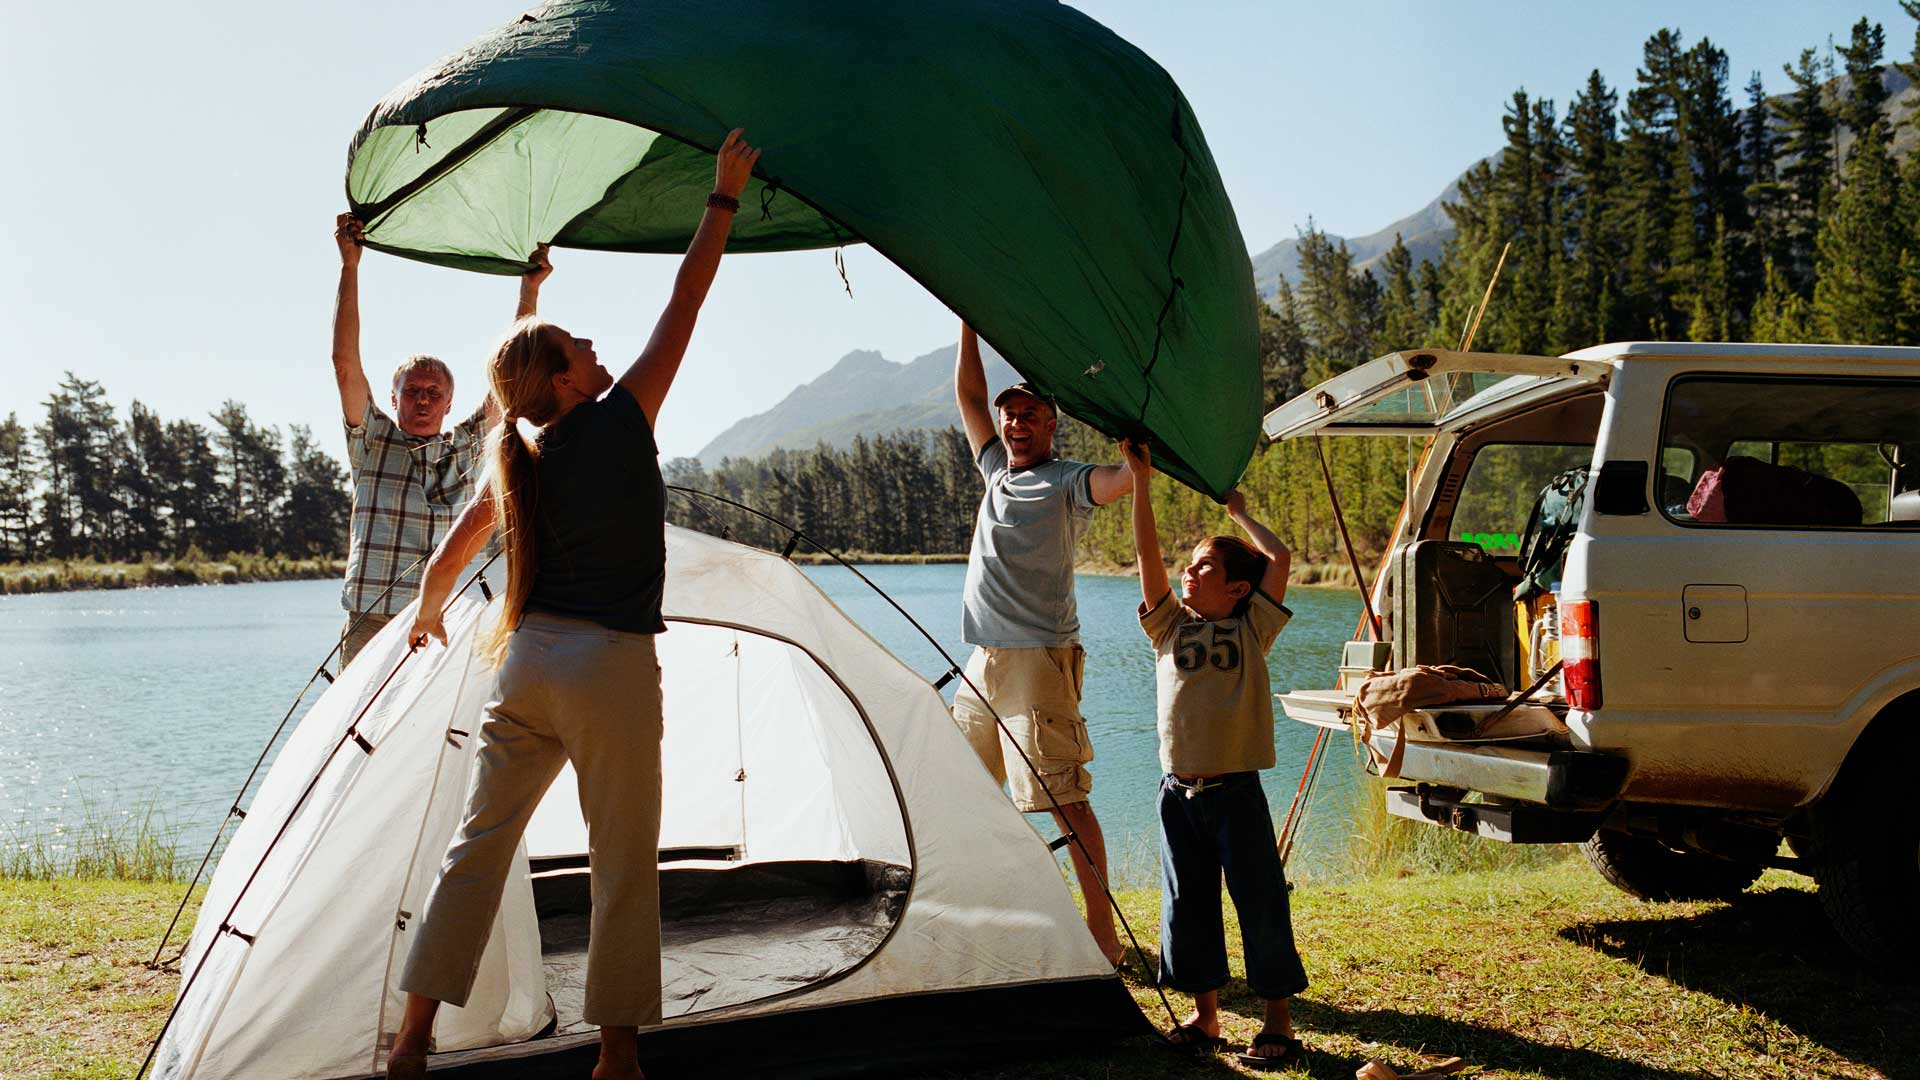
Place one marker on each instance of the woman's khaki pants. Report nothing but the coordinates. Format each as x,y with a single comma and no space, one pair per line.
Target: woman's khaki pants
569,691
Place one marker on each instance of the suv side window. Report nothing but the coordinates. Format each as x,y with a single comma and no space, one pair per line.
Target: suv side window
1501,486
1791,453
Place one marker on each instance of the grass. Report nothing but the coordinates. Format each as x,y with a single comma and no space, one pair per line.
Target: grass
1380,845
1528,974
191,569
77,1000
135,845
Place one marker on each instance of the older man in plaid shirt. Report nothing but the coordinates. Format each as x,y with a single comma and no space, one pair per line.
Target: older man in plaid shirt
410,479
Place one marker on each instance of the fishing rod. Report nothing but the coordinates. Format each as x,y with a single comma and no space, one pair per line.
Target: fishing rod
954,670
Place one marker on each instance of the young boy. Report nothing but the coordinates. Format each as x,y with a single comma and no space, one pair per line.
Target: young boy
1216,733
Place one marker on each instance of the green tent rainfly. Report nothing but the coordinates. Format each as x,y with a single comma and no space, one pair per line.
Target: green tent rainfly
1038,174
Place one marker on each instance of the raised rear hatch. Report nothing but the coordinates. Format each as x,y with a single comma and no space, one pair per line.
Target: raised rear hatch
1426,391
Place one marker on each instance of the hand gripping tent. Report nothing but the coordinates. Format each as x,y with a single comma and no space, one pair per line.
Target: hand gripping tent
1037,173
843,886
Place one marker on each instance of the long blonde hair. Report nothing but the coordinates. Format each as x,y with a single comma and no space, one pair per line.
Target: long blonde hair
521,372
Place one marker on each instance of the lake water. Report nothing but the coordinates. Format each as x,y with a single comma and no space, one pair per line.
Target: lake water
162,698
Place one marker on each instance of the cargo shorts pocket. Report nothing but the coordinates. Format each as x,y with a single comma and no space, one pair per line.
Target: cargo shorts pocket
1058,738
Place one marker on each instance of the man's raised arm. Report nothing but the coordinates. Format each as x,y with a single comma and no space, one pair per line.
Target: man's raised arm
970,390
347,372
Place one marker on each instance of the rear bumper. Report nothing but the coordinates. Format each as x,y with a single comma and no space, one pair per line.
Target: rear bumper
1562,779
1559,778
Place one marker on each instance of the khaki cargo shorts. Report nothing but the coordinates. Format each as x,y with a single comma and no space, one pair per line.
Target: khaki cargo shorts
1037,692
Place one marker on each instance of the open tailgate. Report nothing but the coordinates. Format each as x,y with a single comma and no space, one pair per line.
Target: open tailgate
1426,391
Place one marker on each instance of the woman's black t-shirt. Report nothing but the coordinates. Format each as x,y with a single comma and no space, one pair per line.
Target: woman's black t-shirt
600,517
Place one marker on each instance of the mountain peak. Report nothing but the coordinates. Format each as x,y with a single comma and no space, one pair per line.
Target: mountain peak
862,393
859,362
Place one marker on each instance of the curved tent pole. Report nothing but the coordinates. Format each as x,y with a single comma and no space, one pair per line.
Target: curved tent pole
234,810
350,735
954,670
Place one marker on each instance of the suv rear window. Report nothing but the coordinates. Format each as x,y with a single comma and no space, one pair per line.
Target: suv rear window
1501,486
1791,453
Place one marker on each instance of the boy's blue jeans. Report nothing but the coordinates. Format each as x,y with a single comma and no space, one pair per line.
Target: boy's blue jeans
1224,828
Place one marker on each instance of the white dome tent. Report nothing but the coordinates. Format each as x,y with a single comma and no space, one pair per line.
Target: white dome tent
844,888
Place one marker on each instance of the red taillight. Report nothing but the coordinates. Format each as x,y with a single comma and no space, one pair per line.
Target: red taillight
1580,652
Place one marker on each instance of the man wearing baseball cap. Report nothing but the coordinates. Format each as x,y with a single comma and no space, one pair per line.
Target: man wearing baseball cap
1018,613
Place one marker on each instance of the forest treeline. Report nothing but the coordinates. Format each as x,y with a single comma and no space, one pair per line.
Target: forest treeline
86,484
1667,212
1662,210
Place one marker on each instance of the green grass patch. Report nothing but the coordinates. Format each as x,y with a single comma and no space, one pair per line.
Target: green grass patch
77,1000
1533,973
1380,845
136,845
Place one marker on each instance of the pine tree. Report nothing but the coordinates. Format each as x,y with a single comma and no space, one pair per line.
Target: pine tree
1332,307
1857,293
18,474
1653,188
1584,304
1766,196
1909,323
1779,312
1808,174
1401,323
1713,189
141,481
199,512
1283,348
1470,254
1862,112
1715,305
314,519
77,444
1525,211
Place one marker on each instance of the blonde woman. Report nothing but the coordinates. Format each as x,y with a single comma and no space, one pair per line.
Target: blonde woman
575,492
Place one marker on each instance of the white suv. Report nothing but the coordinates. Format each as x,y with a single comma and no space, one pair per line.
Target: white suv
1739,610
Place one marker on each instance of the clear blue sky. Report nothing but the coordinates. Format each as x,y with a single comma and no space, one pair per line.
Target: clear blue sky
173,171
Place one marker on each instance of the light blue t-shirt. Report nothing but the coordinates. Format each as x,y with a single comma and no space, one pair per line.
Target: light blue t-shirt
1019,590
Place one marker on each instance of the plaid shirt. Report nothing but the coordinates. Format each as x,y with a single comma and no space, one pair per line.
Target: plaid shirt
407,490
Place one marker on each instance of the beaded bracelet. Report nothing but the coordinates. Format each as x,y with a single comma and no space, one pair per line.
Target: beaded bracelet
724,202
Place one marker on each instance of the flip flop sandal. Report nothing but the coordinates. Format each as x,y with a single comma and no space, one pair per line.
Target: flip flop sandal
1194,1037
1292,1053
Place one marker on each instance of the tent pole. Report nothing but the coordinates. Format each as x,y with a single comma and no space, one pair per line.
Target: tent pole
352,734
234,810
470,146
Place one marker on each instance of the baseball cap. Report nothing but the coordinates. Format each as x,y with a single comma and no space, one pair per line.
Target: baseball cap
1028,389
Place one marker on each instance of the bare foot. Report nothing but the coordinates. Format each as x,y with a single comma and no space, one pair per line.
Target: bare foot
1208,1024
